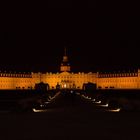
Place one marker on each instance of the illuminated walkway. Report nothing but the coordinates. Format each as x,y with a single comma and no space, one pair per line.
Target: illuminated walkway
71,101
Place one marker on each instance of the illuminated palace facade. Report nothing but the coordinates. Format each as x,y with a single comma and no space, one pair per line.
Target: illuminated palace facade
67,79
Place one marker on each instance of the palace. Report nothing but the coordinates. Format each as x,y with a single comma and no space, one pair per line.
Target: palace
67,79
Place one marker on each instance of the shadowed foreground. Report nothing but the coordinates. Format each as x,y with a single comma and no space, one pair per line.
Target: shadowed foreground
70,116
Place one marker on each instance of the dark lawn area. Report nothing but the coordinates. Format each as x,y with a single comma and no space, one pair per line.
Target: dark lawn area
70,118
19,99
70,125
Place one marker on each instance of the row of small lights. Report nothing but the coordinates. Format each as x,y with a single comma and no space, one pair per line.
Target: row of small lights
47,102
98,103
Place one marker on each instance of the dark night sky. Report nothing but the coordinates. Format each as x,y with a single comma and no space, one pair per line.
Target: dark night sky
94,41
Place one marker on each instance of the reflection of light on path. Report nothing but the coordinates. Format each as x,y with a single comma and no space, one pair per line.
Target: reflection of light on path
106,105
97,102
41,105
39,110
86,97
115,110
46,102
52,98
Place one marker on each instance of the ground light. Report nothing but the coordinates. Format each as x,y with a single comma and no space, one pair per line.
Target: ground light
39,110
97,102
106,105
115,110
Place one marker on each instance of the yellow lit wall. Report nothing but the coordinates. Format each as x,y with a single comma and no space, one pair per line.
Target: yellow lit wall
117,83
16,82
70,80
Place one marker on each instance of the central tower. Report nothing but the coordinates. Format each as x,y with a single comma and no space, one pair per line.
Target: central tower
65,66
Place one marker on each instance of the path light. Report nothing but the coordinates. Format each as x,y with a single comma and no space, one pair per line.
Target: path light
41,105
115,110
106,105
98,102
40,110
47,102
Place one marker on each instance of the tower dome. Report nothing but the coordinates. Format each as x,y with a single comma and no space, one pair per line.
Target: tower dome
65,66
